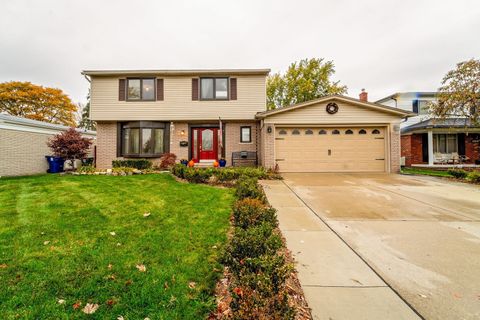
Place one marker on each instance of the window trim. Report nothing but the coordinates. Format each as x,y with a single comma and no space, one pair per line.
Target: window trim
214,89
141,89
143,125
249,134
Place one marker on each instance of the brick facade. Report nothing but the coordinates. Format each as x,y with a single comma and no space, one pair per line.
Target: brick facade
268,146
179,132
394,152
232,139
472,146
106,144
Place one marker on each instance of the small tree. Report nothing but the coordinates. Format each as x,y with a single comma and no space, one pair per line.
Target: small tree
459,95
85,121
70,145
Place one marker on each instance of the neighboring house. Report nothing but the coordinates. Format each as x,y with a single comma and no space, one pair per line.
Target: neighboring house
23,144
427,141
205,115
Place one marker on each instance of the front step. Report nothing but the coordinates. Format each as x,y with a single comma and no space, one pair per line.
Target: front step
204,164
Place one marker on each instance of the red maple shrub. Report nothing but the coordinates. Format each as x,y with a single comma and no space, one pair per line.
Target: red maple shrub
69,145
167,161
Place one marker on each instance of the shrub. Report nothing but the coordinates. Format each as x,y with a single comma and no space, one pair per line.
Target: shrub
458,173
227,174
248,188
139,164
167,161
179,170
197,175
251,212
474,176
69,145
87,169
251,243
123,170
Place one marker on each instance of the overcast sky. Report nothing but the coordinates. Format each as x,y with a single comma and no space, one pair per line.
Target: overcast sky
381,45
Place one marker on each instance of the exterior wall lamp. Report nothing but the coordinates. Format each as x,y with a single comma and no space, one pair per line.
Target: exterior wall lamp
269,129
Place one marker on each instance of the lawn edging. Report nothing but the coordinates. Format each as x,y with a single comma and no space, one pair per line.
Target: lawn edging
456,174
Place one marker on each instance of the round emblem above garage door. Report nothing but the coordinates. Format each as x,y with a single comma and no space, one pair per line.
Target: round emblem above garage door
332,108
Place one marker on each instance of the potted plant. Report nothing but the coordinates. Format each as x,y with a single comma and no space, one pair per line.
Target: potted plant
184,162
222,162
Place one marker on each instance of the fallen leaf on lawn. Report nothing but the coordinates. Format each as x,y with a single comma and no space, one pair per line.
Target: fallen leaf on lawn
61,301
111,277
112,233
42,233
146,214
77,305
46,242
192,285
111,302
90,308
146,319
109,266
165,285
118,244
141,267
120,318
128,282
214,247
3,266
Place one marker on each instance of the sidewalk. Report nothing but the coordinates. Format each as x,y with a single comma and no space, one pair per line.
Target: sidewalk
337,283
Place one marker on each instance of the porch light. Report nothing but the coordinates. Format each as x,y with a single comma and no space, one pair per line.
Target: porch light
269,129
182,133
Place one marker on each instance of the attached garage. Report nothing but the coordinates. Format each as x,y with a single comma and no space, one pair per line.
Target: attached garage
322,149
332,134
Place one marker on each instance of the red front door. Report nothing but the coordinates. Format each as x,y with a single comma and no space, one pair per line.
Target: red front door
204,144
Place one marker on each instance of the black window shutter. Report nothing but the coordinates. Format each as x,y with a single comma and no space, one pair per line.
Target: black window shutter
461,144
415,106
233,88
121,89
159,89
195,89
425,147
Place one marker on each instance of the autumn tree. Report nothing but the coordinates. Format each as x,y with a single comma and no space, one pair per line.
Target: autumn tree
85,121
27,100
459,95
305,80
69,145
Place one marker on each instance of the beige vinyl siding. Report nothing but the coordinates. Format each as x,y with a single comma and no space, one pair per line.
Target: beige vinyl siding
331,152
177,103
347,113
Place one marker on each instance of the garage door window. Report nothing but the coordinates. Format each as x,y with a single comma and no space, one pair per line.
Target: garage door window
376,131
362,131
308,131
335,131
322,132
295,132
349,131
282,132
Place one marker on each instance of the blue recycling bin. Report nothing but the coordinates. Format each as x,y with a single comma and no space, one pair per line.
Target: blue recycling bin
55,164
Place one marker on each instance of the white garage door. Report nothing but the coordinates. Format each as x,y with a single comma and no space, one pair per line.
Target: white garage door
343,149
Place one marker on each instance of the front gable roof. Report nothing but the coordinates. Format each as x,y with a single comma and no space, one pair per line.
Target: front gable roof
369,105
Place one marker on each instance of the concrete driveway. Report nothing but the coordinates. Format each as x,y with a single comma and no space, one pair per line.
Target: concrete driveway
383,246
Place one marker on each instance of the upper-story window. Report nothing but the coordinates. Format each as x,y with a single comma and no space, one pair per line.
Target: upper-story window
141,89
214,88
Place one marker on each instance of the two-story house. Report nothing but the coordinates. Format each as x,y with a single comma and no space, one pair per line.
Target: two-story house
433,142
205,115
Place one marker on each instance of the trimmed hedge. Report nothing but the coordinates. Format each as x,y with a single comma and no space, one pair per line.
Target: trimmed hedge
458,173
139,164
247,187
252,212
474,176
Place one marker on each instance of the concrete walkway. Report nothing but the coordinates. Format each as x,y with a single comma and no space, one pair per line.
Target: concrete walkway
338,284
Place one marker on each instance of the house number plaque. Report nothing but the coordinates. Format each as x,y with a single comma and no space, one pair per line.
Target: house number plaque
183,143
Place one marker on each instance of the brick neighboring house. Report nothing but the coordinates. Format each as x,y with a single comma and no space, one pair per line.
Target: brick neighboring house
205,115
23,144
432,142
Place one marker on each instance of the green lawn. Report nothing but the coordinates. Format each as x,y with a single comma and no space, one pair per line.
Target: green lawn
56,243
426,172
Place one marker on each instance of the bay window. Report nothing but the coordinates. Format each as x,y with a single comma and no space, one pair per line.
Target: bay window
214,88
144,139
